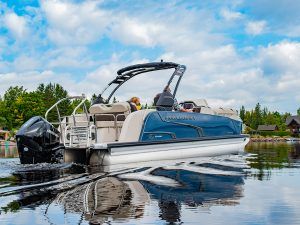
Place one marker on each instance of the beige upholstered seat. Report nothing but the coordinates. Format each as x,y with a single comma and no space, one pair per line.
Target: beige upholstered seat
132,126
231,113
119,107
109,120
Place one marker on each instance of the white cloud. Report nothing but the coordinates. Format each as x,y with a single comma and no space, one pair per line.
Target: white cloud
289,83
190,31
216,68
220,75
280,58
282,16
16,24
255,27
25,63
75,57
230,15
30,80
131,31
72,23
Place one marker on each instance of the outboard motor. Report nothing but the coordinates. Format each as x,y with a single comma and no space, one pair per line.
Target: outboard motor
38,141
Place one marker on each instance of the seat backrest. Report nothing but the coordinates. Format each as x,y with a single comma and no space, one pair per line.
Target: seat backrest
231,113
133,124
207,110
119,107
109,120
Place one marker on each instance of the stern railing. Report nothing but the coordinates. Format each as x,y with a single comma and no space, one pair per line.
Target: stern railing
74,131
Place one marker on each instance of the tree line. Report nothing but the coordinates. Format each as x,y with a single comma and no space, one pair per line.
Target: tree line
18,104
262,116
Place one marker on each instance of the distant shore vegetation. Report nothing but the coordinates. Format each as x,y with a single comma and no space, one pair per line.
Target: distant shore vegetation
18,105
262,116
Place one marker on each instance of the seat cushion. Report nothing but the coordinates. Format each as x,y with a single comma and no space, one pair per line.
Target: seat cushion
132,126
119,107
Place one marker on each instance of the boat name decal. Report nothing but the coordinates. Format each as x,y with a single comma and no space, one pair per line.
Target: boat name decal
180,118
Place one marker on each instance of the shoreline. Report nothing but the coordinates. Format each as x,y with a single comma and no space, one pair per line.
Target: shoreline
274,139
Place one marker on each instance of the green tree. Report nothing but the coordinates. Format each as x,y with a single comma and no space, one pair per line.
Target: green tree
3,121
248,118
13,93
10,110
242,113
28,105
253,120
298,112
76,102
257,116
270,119
265,112
50,94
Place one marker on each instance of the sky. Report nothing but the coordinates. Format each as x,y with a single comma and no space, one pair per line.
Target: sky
236,52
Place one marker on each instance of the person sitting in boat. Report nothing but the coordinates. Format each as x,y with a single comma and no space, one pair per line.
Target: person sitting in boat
176,106
135,104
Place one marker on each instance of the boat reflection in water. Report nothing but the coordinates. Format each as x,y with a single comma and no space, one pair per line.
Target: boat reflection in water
294,154
160,192
126,195
106,199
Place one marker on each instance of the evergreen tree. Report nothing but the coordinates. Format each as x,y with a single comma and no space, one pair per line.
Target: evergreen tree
50,94
264,115
242,113
248,118
270,119
257,116
253,119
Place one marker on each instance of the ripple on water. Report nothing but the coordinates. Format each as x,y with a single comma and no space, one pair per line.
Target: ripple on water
205,189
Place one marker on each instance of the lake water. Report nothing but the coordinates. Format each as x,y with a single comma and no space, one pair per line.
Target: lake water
261,186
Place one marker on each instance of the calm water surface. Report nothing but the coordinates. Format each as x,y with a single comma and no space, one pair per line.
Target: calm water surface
261,186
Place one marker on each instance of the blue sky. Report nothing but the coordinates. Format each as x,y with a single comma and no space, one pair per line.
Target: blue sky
236,52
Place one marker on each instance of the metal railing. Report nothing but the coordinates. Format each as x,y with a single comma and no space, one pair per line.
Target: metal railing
60,101
72,132
115,119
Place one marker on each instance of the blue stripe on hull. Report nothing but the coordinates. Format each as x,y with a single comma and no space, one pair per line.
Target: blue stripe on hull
166,125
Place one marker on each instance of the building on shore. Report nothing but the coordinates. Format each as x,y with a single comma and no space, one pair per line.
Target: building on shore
293,123
267,128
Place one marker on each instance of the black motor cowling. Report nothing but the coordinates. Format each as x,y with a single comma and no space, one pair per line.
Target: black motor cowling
37,141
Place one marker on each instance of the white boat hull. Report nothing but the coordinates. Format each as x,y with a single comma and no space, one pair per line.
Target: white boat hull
102,154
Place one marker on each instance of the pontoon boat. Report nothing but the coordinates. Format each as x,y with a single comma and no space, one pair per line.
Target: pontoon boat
110,133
